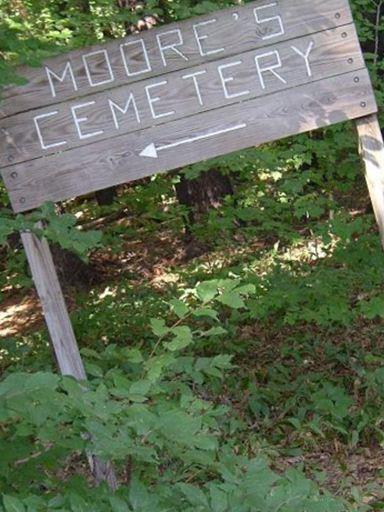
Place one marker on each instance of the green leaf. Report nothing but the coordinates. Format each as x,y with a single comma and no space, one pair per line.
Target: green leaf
207,290
158,327
94,370
134,355
139,496
141,387
231,299
179,427
41,380
214,331
78,503
7,227
12,504
180,309
139,390
373,308
206,312
223,361
156,365
182,338
118,504
234,297
194,495
219,500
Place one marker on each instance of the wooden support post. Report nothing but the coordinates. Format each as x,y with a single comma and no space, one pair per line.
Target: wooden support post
54,307
372,151
60,328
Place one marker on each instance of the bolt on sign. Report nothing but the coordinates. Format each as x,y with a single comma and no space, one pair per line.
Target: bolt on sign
180,94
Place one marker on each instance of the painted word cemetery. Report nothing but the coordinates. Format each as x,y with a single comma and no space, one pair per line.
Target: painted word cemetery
175,95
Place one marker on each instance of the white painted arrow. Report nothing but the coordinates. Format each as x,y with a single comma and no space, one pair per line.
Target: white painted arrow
151,151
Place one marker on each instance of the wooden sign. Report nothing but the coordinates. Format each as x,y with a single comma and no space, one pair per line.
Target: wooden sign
180,94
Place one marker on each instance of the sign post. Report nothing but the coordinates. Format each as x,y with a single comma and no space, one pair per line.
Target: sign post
174,96
59,325
372,152
54,308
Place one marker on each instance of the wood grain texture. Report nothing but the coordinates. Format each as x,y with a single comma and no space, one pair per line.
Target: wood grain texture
53,303
372,152
60,329
118,160
235,30
332,52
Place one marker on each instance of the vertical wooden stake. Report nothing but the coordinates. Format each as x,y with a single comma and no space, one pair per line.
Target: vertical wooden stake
60,328
372,151
54,307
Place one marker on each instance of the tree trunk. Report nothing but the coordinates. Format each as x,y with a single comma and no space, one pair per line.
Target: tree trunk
72,270
203,193
105,197
199,196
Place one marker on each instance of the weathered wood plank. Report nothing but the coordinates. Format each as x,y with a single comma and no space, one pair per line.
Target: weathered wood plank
210,134
172,47
216,84
60,329
372,152
54,307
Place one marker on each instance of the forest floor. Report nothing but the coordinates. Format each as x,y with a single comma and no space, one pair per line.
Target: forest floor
283,361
